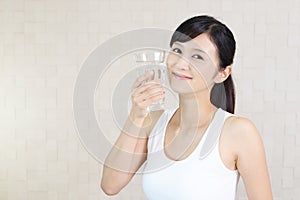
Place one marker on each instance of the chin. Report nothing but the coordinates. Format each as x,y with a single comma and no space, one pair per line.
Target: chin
181,88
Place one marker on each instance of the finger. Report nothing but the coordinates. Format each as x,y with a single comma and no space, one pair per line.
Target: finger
159,74
150,75
147,76
149,93
147,87
151,100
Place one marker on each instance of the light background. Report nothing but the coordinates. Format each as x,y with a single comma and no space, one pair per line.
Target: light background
43,43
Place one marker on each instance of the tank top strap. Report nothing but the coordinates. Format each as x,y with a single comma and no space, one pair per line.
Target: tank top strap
156,136
214,131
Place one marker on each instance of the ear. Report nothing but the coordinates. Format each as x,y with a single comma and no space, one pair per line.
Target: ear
223,74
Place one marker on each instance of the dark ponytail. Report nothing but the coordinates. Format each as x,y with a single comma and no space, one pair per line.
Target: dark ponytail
222,94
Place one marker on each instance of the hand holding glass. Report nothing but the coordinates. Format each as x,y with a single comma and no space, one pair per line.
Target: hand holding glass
152,60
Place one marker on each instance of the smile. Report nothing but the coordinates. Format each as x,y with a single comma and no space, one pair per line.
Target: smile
181,77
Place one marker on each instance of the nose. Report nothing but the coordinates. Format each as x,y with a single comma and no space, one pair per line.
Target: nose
182,63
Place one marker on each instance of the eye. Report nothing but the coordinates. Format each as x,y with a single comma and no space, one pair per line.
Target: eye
176,50
197,56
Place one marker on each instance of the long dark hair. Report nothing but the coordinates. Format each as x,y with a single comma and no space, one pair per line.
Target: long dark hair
222,94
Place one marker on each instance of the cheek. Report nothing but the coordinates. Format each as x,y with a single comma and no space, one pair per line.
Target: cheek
171,60
205,73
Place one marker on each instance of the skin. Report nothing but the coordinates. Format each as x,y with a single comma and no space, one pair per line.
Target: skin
241,147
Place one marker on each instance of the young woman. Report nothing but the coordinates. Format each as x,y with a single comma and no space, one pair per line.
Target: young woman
200,149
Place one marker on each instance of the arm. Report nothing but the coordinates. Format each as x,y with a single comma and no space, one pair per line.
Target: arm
130,149
125,158
251,160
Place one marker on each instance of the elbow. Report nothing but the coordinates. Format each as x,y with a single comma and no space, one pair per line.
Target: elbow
109,190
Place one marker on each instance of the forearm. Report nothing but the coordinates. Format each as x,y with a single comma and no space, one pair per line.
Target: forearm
126,156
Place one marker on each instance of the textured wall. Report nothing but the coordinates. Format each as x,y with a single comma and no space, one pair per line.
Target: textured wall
43,43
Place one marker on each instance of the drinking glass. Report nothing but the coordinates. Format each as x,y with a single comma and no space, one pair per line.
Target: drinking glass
154,60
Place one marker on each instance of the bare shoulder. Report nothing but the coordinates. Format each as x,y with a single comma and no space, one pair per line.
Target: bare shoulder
243,133
243,128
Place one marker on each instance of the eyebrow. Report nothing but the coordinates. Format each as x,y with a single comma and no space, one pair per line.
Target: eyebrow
200,50
177,43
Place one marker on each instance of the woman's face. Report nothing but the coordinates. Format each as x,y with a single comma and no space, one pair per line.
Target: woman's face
192,65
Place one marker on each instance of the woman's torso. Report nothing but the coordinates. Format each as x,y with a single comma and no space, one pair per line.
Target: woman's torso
200,175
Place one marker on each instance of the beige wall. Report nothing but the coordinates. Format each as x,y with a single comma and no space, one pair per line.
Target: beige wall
43,43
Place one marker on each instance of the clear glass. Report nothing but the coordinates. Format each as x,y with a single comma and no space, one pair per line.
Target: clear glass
147,60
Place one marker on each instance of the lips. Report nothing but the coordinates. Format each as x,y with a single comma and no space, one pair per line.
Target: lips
181,76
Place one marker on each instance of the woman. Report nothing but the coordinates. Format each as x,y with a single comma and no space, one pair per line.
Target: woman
200,149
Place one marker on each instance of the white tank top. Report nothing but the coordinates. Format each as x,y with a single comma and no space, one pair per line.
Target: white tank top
202,175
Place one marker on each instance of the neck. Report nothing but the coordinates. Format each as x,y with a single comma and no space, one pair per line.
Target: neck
195,110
